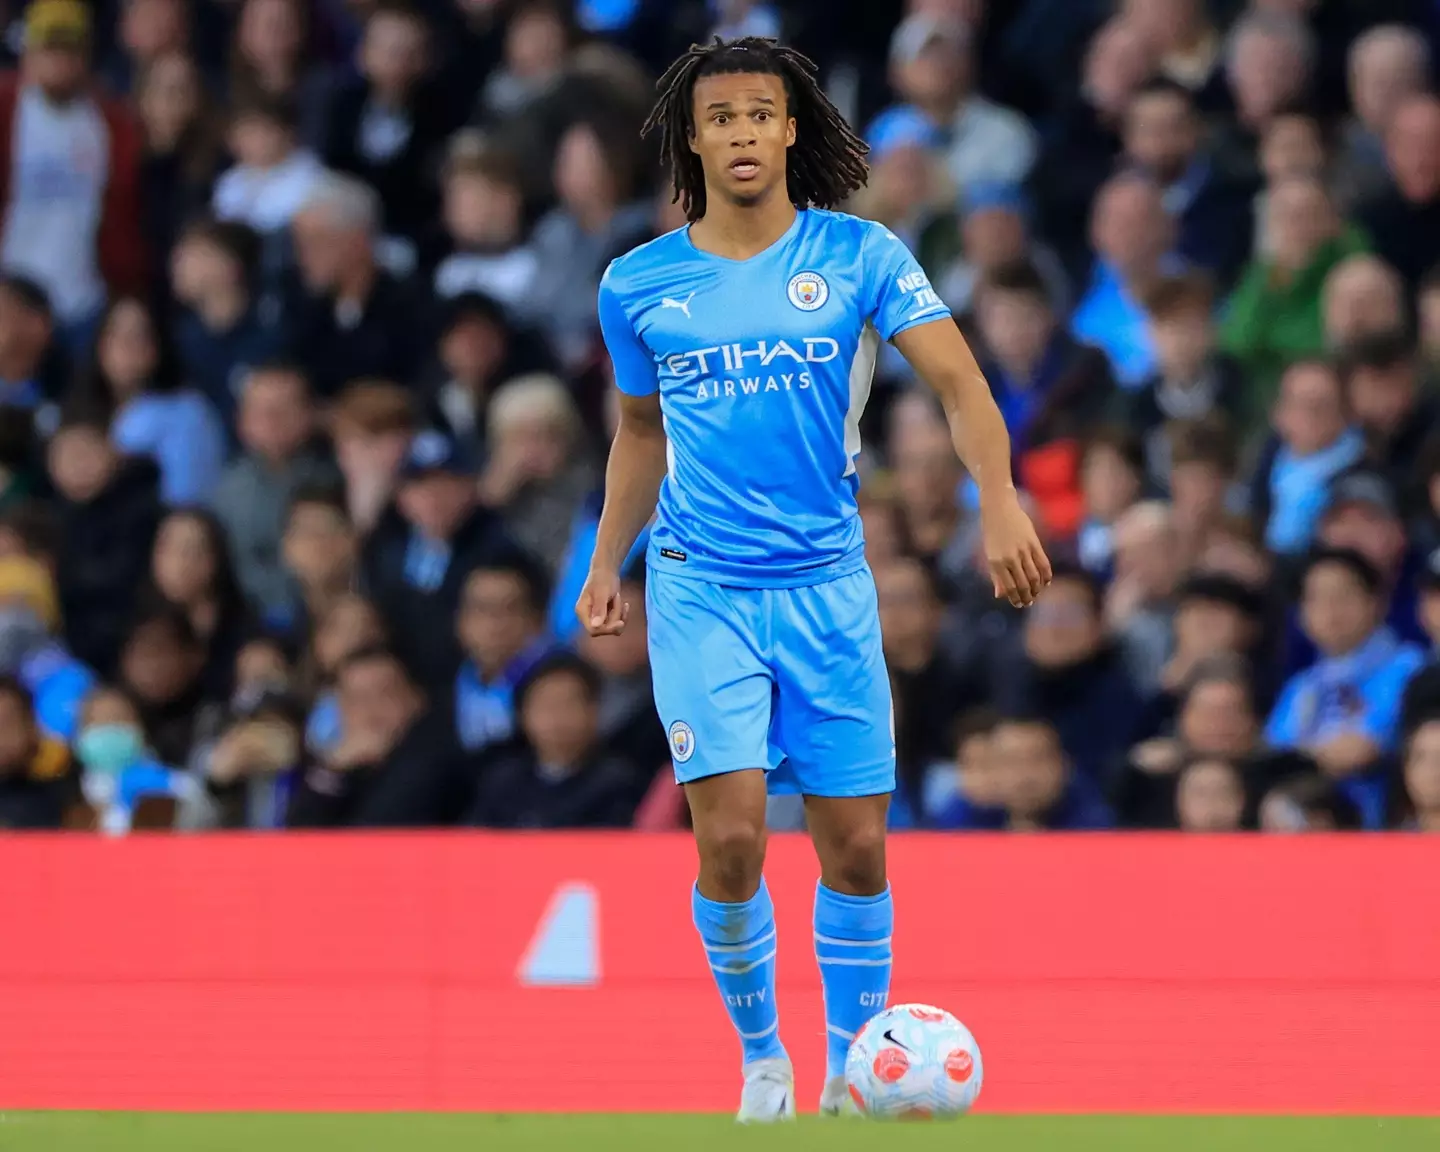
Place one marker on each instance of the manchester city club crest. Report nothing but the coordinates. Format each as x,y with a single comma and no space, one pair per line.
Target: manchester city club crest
682,741
808,291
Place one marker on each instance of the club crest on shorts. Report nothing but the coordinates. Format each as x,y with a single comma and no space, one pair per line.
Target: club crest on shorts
682,741
808,291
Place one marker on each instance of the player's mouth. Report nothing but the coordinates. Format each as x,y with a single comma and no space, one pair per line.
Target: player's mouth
745,168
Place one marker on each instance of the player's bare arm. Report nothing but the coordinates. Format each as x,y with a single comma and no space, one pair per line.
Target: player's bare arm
1019,567
632,487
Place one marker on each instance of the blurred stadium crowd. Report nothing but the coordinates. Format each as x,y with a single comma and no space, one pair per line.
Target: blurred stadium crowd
303,411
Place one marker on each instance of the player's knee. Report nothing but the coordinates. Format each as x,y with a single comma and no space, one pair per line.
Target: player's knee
854,860
732,856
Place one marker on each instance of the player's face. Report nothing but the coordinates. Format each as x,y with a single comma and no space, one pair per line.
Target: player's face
742,131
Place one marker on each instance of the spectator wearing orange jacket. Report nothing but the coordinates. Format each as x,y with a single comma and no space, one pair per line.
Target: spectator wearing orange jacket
69,174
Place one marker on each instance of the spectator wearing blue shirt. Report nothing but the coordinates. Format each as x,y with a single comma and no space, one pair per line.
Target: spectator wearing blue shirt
502,632
1037,788
133,376
1133,236
29,650
1344,711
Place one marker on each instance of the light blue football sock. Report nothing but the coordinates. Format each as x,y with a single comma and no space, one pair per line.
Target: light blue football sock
852,946
740,946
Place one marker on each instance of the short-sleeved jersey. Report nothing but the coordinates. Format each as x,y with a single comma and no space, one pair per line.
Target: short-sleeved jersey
763,368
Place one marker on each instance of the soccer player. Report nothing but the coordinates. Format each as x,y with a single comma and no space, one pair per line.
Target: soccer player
743,345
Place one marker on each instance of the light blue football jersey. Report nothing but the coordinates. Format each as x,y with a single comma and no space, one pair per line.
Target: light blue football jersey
763,368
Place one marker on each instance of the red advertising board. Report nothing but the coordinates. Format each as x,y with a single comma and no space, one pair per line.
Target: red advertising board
561,972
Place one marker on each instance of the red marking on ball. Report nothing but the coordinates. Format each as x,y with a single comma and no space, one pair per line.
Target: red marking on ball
890,1065
859,1100
931,1015
960,1065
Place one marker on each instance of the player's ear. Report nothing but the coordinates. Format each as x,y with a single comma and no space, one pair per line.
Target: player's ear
790,132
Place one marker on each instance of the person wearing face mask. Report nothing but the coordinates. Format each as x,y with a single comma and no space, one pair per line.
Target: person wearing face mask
119,770
30,651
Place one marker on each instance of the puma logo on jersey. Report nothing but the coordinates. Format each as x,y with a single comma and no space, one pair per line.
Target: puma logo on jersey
682,305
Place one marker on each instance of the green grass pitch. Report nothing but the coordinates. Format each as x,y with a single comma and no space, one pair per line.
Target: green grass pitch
153,1132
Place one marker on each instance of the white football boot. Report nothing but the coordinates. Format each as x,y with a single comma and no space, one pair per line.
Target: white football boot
769,1093
835,1099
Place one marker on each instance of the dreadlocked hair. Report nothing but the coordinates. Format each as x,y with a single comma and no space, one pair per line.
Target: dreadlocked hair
825,164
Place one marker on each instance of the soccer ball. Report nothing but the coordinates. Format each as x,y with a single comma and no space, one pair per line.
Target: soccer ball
915,1062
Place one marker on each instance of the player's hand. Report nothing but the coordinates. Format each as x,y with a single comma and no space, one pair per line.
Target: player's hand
1019,567
600,608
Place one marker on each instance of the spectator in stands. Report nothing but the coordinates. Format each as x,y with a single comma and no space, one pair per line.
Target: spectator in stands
107,512
1363,296
371,426
482,249
927,681
927,476
26,353
1312,444
1192,380
537,41
538,473
1363,513
59,133
968,789
1216,615
473,350
133,375
161,667
1274,316
1422,778
501,626
1189,48
30,648
932,67
148,30
1112,479
908,190
1084,145
224,327
561,775
416,561
274,177
119,770
319,551
1388,65
251,769
37,781
1308,803
1140,600
396,764
1037,787
1164,138
1345,710
628,725
1071,673
1390,403
1202,482
183,141
1270,67
1216,718
598,218
995,234
351,624
1404,221
191,568
358,322
1133,236
1051,390
1209,796
1293,148
280,455
270,54
387,124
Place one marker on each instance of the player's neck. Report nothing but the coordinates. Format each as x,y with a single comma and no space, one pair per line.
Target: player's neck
738,232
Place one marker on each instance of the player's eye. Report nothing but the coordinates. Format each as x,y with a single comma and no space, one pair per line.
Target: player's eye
721,118
762,115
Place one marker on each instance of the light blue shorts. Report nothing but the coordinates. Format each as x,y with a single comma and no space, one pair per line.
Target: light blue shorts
791,680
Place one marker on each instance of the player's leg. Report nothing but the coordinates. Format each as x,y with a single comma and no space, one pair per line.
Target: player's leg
834,722
713,693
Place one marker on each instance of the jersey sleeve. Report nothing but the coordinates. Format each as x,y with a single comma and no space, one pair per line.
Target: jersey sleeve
635,371
899,292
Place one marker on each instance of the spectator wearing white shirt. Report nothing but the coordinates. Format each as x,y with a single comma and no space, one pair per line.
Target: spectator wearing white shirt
273,176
